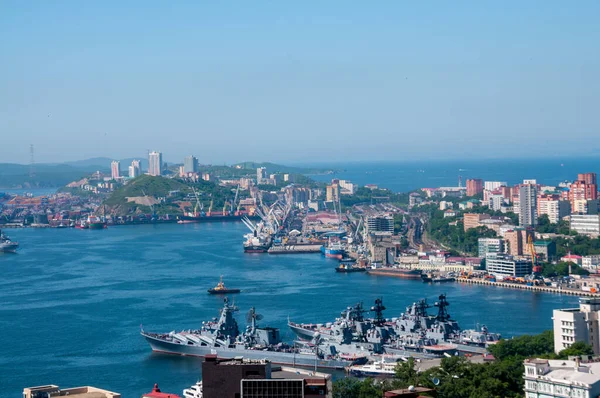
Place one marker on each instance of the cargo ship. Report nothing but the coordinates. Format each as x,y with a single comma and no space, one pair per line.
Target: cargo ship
405,273
95,222
333,250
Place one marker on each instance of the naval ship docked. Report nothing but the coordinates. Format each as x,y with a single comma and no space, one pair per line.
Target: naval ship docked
222,337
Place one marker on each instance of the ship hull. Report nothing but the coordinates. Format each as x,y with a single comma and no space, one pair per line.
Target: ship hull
405,274
255,249
97,225
349,270
8,247
225,291
283,358
302,333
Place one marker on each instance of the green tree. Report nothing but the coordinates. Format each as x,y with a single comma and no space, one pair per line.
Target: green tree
578,348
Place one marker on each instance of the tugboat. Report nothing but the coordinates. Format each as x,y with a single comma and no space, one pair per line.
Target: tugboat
221,289
349,265
7,245
156,393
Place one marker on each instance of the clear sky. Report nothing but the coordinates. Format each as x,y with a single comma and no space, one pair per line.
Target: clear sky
298,80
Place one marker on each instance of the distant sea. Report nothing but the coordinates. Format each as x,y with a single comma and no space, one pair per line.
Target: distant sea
33,191
409,176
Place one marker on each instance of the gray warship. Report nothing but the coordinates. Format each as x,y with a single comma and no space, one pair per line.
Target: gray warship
222,337
7,245
415,333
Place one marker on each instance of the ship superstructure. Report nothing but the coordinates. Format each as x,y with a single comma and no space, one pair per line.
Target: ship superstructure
7,245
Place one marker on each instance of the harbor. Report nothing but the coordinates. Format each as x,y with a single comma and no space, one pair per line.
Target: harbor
157,276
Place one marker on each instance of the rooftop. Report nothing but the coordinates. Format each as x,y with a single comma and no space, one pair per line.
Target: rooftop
76,392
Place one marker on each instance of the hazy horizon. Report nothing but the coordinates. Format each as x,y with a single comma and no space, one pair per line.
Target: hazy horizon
298,83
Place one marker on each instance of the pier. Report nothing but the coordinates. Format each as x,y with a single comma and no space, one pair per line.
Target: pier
545,289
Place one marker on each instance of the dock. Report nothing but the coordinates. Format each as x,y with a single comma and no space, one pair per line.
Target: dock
544,289
294,249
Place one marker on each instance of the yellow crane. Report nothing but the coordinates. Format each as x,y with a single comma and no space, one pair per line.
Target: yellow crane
536,269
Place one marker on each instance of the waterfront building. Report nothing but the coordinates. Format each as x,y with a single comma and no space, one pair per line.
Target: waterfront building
493,185
52,390
545,250
190,164
527,205
155,163
257,379
559,378
115,169
474,186
261,175
502,265
381,247
380,223
586,224
472,220
553,207
490,245
578,324
135,169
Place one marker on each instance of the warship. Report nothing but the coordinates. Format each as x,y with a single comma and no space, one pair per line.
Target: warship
415,333
222,337
7,245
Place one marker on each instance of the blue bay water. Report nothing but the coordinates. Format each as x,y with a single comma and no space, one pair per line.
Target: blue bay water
410,175
72,301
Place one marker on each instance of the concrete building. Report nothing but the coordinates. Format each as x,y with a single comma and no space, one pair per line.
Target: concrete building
135,169
591,262
472,220
155,163
474,187
586,224
495,202
444,205
493,185
490,245
527,205
380,223
382,249
545,250
52,390
559,378
332,192
190,164
242,378
588,178
502,265
578,324
347,187
261,175
516,241
115,169
553,207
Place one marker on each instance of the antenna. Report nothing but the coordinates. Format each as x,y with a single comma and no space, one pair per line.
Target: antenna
31,162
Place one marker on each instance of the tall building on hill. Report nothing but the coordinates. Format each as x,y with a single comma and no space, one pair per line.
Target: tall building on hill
115,169
155,163
190,164
553,207
135,169
474,187
527,205
261,175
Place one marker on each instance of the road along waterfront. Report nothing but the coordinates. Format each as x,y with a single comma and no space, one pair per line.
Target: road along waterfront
73,300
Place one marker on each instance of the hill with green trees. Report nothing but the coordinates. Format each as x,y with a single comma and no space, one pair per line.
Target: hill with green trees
460,378
171,189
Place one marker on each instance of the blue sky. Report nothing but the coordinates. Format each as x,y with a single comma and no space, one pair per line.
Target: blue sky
298,81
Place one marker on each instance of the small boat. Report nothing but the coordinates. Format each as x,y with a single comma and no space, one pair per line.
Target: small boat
221,289
442,279
347,268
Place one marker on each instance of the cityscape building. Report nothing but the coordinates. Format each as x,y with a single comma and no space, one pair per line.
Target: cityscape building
190,164
586,224
332,192
473,220
261,175
553,206
578,324
380,223
474,186
155,163
135,169
493,185
527,205
115,169
502,265
489,245
52,390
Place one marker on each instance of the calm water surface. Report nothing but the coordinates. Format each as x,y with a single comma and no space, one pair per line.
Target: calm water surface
72,301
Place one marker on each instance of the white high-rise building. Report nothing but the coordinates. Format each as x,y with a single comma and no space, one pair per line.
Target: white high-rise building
135,169
491,185
115,169
578,324
155,163
527,205
261,175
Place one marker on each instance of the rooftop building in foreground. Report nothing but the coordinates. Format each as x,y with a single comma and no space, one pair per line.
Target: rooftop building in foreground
243,378
561,378
52,390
